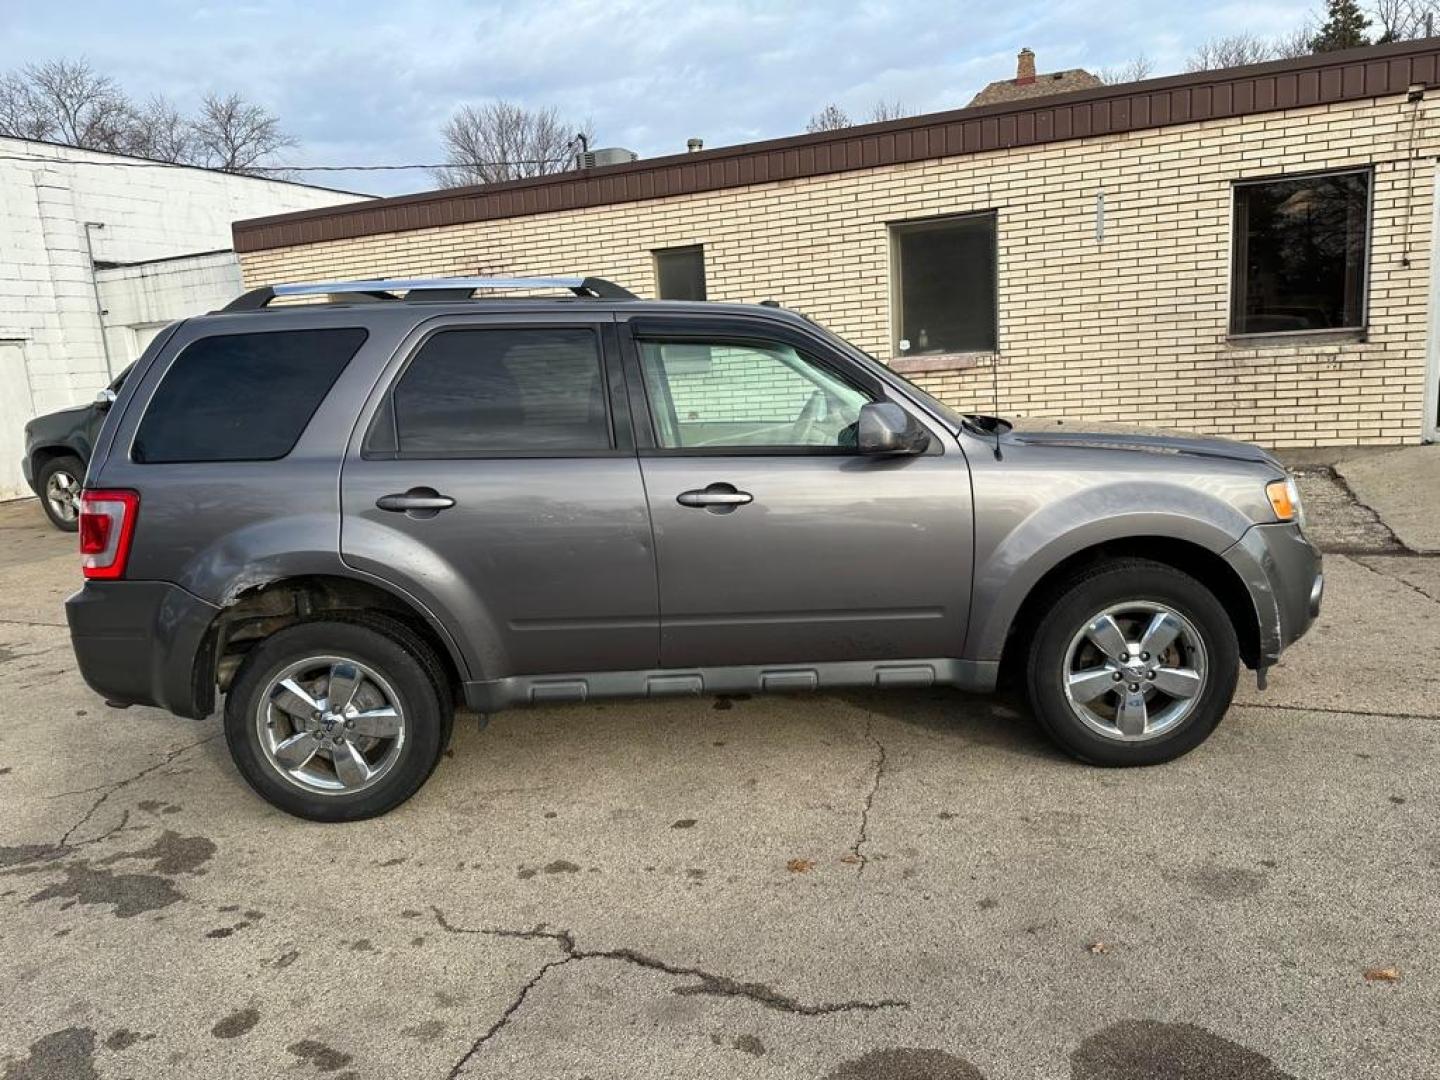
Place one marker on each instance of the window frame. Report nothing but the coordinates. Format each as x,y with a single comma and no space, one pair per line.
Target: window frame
617,419
1345,333
657,253
897,228
155,376
743,332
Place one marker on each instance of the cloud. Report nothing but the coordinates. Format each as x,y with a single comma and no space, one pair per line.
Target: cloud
367,83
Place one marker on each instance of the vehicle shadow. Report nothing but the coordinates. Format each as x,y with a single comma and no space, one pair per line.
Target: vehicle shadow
1000,722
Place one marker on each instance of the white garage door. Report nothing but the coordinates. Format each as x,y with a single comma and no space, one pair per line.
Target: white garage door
17,407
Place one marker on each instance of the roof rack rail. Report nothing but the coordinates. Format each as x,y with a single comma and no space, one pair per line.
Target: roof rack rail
432,289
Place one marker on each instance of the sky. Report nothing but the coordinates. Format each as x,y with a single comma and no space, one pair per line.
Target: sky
374,83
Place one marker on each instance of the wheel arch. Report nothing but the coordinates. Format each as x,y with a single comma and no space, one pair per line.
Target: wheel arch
253,613
1206,566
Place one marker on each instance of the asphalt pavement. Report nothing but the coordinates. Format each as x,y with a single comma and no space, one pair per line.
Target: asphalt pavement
866,886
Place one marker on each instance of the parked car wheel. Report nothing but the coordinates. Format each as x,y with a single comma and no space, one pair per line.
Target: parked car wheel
338,721
59,481
1134,663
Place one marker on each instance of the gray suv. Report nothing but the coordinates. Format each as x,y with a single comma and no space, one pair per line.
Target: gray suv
348,516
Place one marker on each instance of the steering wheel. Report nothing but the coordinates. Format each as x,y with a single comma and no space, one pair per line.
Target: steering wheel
813,411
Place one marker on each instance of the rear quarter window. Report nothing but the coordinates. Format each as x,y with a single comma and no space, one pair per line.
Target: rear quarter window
242,397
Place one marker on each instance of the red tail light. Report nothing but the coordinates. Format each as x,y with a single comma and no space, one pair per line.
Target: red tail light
107,524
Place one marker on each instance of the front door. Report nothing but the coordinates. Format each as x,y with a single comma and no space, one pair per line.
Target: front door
498,479
777,542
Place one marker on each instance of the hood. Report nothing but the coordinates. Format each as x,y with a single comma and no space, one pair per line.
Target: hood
1152,444
57,424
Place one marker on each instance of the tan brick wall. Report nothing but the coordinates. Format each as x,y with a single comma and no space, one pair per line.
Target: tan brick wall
1131,330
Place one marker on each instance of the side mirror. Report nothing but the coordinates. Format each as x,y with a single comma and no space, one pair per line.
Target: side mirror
886,428
104,399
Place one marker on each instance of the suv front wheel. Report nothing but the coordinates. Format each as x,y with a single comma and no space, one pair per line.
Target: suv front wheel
338,721
1134,663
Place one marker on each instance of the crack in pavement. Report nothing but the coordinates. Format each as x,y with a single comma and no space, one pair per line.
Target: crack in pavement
709,984
31,622
1349,492
1334,712
110,789
862,836
1360,561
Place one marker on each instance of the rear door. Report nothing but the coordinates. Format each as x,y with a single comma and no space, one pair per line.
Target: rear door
777,542
494,475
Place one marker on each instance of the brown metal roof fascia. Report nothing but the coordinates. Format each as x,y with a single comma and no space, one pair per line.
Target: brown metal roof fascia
1349,75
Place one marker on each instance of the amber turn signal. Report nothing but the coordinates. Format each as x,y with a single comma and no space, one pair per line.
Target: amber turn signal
1284,499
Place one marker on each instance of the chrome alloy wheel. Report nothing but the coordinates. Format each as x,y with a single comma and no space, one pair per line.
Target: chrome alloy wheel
1134,671
62,493
330,724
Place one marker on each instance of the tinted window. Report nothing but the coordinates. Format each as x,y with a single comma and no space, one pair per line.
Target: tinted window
716,395
945,274
1300,254
242,397
492,392
680,273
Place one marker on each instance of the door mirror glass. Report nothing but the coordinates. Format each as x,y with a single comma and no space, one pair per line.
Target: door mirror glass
104,399
886,428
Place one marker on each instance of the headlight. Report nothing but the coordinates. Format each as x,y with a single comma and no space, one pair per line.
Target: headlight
1284,498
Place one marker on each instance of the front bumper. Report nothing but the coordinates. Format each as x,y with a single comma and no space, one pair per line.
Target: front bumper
27,470
141,643
1281,571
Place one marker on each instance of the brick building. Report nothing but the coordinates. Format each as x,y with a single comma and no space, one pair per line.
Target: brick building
1244,252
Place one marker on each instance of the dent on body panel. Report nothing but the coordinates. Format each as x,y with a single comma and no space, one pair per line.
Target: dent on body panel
375,547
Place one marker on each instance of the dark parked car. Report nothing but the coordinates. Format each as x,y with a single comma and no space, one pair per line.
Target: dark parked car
347,516
57,451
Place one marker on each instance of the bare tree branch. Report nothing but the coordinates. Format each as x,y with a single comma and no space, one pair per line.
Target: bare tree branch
887,110
501,140
830,118
1133,71
233,135
160,133
1234,51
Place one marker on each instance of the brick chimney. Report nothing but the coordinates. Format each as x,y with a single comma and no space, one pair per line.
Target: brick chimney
1025,69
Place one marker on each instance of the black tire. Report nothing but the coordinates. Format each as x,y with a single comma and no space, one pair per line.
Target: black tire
1079,600
384,645
74,468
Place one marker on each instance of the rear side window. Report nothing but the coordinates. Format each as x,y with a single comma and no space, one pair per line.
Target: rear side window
489,393
242,397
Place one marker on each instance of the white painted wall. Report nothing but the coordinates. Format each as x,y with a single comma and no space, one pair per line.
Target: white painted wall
148,211
142,299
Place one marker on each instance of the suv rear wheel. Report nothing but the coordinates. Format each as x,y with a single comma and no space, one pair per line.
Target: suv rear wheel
1134,663
59,481
338,721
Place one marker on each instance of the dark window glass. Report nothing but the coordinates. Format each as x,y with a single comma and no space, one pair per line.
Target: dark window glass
492,392
242,397
681,273
945,272
1300,254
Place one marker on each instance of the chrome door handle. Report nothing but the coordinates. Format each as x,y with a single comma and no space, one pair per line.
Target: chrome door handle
426,501
717,498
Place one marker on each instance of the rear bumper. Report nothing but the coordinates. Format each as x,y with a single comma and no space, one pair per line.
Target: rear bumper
138,642
27,470
1281,570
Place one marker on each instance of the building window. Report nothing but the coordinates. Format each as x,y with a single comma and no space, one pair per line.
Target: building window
944,283
1300,253
680,273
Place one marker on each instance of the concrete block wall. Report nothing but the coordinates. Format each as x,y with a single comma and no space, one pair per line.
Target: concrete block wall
1129,329
47,290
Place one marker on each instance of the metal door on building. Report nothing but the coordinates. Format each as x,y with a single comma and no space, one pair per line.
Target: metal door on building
17,408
